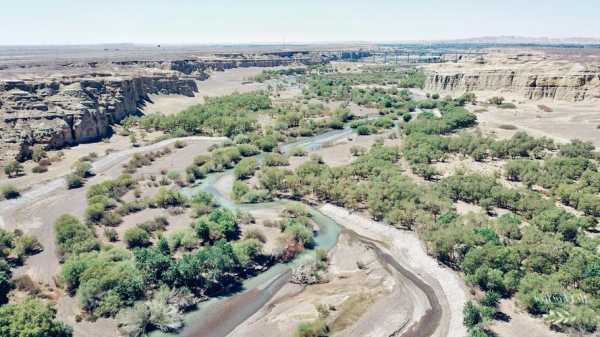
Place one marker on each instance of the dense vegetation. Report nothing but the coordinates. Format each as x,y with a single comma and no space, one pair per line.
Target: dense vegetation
523,245
269,74
27,316
218,116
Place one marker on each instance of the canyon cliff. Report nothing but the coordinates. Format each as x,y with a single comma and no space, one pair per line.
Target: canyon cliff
88,98
532,76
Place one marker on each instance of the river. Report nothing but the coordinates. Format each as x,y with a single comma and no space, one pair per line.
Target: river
219,316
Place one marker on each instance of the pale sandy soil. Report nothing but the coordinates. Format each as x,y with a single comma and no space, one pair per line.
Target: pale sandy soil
463,208
338,152
374,285
71,154
37,210
519,322
357,110
218,84
410,252
456,163
567,120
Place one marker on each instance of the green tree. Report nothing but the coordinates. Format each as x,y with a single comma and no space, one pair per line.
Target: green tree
31,318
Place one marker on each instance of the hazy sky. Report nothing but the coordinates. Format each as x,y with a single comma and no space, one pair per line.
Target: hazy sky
234,21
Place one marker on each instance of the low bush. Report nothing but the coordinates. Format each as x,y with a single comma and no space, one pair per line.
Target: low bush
74,181
9,192
136,238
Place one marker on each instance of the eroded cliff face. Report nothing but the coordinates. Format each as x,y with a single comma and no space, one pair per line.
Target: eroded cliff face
533,76
82,104
68,112
573,87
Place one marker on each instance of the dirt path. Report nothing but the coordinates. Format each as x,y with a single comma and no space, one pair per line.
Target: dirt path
445,291
99,166
38,208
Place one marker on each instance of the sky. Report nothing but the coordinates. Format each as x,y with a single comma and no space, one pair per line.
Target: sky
34,22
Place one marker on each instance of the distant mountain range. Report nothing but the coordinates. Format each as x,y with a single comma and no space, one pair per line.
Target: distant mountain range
515,40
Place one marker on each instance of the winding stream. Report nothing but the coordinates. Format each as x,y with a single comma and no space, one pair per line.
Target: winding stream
219,316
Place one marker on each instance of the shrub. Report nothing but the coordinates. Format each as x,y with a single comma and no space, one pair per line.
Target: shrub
136,237
363,130
73,237
248,150
297,152
507,127
82,169
74,181
315,329
472,315
275,159
166,198
27,245
38,153
111,234
245,168
507,106
13,168
496,100
357,150
9,192
39,169
180,144
255,233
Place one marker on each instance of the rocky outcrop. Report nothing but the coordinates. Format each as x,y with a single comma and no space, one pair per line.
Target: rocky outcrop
67,112
574,87
82,104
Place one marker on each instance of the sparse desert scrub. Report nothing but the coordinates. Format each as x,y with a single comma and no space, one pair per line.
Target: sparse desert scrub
13,169
9,192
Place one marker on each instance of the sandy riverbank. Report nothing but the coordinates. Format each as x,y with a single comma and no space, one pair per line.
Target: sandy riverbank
409,251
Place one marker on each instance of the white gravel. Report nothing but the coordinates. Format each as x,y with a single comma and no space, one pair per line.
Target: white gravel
410,252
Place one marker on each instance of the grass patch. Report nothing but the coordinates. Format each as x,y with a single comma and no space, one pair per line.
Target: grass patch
350,311
507,127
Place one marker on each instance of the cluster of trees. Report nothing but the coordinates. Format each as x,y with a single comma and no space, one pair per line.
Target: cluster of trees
401,78
229,154
15,247
206,259
571,175
452,117
218,116
31,317
372,126
309,119
389,101
28,316
548,263
270,74
373,182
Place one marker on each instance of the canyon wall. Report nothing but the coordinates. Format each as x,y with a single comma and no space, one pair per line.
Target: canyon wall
573,87
61,113
82,104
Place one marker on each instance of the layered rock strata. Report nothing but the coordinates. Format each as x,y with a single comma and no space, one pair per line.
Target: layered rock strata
573,87
566,75
88,97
